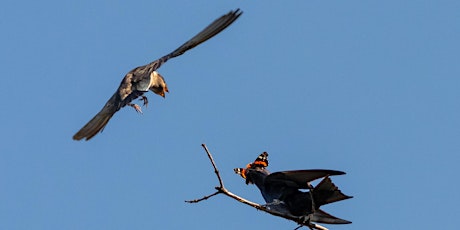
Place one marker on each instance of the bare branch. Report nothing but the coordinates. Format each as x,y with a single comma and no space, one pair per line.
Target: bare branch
221,189
204,198
213,165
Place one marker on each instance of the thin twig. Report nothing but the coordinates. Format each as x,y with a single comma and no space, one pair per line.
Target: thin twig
203,198
221,189
213,165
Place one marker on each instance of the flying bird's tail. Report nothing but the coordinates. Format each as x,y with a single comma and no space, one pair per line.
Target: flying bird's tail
327,192
97,124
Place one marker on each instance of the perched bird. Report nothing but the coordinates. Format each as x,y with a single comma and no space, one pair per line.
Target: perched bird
144,78
281,190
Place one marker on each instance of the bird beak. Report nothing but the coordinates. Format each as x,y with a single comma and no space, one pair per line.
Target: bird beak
166,90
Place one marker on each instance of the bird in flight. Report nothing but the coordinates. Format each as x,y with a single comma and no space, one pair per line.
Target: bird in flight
144,78
282,190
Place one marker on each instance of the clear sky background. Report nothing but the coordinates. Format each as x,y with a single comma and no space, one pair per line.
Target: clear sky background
367,87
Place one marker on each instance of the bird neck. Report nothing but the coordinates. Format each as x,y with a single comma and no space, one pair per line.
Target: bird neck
257,177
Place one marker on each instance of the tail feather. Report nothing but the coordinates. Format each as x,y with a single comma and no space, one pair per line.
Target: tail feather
321,216
327,192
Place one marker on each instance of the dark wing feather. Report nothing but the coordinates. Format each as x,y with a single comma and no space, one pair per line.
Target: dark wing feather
300,178
210,31
97,124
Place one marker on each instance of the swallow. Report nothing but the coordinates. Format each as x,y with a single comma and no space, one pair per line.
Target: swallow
282,190
144,78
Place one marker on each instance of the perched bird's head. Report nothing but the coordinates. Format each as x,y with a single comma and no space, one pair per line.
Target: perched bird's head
158,84
258,165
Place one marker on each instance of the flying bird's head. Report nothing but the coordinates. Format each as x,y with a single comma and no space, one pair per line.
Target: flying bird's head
258,165
158,84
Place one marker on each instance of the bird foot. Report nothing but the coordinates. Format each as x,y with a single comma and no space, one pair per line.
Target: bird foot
275,202
277,206
304,219
145,100
136,107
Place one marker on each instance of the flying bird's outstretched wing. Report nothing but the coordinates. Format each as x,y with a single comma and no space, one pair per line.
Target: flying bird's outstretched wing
144,78
210,31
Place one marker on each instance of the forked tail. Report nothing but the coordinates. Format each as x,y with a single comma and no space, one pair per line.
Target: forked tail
324,193
320,216
327,192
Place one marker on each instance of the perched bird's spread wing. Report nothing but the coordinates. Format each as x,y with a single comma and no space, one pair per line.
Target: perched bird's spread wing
142,74
299,178
143,78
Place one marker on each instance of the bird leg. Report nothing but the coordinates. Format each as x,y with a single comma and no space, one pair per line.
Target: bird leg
145,99
313,205
136,107
305,219
276,206
274,202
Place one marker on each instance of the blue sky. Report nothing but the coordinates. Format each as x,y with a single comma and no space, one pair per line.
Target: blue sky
369,88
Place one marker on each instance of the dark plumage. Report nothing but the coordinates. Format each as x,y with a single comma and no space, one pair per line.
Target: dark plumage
281,190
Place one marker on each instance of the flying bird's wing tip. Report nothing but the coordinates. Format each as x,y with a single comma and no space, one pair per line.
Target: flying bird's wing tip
77,136
80,137
237,12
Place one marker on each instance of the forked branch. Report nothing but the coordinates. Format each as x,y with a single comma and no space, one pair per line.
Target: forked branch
221,189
